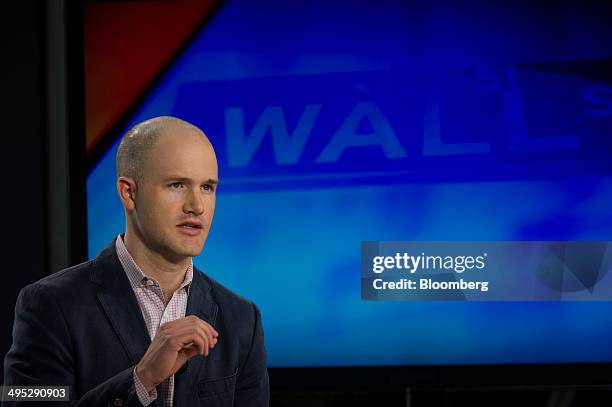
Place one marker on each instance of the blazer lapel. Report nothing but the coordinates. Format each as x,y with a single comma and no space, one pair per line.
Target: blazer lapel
120,304
200,304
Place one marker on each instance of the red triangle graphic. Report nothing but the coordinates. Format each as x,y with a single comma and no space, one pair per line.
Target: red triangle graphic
127,44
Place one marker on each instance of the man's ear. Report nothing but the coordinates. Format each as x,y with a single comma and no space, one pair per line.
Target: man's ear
126,186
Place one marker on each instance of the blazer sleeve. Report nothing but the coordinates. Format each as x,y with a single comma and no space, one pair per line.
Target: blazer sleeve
42,354
252,384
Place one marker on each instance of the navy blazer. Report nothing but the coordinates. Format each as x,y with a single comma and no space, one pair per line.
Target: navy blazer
82,327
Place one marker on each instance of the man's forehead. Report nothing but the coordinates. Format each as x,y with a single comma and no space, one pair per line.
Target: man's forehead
183,158
183,151
196,172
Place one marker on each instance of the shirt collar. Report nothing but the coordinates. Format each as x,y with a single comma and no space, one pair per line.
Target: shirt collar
135,275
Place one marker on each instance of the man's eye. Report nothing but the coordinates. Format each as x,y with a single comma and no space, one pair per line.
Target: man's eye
176,185
208,187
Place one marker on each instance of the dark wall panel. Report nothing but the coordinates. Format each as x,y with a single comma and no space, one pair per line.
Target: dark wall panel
22,154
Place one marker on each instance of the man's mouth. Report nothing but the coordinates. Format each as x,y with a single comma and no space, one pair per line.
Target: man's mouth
191,224
190,228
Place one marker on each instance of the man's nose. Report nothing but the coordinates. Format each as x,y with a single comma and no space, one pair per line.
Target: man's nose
194,202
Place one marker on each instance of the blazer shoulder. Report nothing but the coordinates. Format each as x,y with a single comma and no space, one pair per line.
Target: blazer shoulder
70,277
72,280
66,286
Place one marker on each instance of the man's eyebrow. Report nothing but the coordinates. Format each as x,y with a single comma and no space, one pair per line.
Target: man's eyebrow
176,178
213,181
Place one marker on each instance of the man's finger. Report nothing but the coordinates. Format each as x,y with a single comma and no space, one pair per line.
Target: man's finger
204,324
187,321
209,330
178,339
193,343
204,330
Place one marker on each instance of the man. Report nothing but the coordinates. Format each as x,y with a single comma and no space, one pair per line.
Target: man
139,325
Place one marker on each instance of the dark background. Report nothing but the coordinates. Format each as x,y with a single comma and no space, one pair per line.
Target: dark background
23,145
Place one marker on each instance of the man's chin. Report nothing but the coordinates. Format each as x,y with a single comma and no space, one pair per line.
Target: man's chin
180,252
184,246
193,253
190,250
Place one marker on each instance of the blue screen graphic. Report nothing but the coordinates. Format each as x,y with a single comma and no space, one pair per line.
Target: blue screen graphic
338,122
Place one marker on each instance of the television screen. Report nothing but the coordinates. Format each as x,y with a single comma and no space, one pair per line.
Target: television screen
341,122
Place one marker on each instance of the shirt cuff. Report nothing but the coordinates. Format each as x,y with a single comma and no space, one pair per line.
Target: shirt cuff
144,396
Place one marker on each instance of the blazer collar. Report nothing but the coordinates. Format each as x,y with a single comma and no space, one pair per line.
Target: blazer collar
117,298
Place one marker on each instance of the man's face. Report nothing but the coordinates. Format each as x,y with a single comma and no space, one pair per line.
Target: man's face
175,200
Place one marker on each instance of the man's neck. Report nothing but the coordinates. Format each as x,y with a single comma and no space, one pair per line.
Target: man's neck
170,275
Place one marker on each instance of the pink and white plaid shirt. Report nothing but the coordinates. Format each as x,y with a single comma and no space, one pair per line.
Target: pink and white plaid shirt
151,300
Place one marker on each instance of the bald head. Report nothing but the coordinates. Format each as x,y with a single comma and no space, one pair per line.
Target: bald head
139,140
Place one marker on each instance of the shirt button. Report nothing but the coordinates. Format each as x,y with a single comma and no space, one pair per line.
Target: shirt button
118,402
